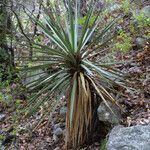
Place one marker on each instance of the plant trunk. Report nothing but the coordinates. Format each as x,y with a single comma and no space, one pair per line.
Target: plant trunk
84,120
6,50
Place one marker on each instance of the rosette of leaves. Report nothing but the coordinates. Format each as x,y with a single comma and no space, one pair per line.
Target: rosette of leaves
71,71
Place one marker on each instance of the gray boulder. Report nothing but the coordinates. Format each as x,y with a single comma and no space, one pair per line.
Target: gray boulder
106,115
55,139
58,132
56,126
129,138
140,41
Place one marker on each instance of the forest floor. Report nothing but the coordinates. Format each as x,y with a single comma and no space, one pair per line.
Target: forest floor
137,104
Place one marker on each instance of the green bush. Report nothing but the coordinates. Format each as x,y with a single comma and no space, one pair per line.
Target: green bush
123,42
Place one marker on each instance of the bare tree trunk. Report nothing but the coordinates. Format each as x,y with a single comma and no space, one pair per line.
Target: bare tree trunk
6,50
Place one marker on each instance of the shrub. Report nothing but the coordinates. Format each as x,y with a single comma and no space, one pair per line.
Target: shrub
71,71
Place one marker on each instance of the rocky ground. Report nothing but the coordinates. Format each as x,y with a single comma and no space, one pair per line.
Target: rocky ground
50,135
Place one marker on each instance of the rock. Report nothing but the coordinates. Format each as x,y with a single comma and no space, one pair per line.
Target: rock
55,139
58,132
143,14
146,11
2,116
140,41
104,113
56,126
135,70
63,98
34,75
63,111
129,138
62,125
118,28
114,7
57,148
1,132
100,5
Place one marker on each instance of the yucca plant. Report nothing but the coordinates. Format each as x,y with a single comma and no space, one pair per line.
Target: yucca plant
71,69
